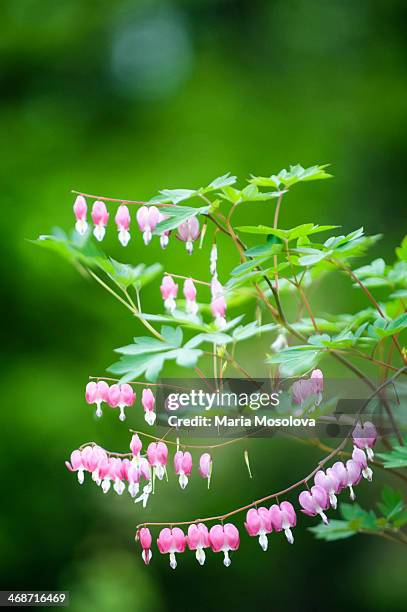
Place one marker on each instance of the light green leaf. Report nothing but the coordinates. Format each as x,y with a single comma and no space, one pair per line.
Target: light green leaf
177,215
296,360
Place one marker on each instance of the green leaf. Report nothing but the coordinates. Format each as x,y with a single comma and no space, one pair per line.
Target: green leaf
220,182
314,256
401,251
295,174
296,360
396,458
243,332
148,355
178,195
80,250
177,215
335,530
212,338
391,504
300,231
126,275
382,328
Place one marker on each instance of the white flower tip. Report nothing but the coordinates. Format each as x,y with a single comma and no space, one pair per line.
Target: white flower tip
173,561
81,227
323,517
183,480
149,417
227,560
99,232
289,536
124,237
200,555
263,541
147,236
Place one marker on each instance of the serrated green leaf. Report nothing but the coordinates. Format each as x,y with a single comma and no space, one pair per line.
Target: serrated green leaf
335,530
396,458
296,360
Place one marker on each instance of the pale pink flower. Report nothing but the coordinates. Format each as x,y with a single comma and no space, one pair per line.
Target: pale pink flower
304,388
96,393
76,465
139,468
116,474
258,523
314,502
121,396
100,217
147,219
190,296
198,539
145,543
354,474
188,232
338,470
283,517
164,236
224,538
122,219
136,445
301,390
80,209
364,436
359,456
157,455
205,466
169,291
171,541
218,303
332,485
104,470
148,402
183,467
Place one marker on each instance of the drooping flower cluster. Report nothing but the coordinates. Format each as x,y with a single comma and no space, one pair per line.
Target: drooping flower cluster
107,468
111,471
169,292
262,521
148,217
220,538
328,484
119,396
304,388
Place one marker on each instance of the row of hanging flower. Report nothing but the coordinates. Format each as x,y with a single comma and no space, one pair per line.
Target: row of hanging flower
147,218
117,473
260,522
123,396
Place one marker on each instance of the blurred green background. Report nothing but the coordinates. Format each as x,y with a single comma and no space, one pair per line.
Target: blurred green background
122,99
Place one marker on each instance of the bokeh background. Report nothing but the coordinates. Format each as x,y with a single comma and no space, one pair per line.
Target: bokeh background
124,98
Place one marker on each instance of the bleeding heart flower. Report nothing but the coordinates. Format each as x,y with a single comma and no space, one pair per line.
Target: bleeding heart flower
80,209
198,539
147,218
100,217
189,232
183,467
144,536
171,541
123,223
258,523
224,538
